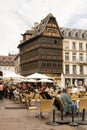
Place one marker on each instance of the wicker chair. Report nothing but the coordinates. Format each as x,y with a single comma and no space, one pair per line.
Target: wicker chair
29,108
22,100
45,106
83,107
62,121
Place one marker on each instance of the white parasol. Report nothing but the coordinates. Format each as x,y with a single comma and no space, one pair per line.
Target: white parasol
46,80
29,80
38,76
12,75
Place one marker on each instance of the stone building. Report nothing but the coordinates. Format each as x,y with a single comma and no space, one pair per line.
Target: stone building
74,56
7,64
41,49
57,52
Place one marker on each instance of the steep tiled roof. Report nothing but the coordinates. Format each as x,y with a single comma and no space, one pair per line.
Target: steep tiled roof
7,60
73,33
28,32
64,32
39,29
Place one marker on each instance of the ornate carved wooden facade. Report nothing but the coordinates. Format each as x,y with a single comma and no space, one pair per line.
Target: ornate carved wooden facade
42,51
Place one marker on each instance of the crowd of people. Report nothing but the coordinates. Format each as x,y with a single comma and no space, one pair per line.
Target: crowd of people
11,91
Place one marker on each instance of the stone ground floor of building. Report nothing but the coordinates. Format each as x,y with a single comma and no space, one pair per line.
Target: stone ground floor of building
13,116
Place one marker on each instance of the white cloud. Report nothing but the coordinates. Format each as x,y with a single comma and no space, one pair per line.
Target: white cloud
18,15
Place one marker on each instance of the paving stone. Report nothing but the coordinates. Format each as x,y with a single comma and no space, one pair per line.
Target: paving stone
16,119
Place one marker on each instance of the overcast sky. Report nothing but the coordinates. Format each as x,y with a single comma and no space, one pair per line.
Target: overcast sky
17,16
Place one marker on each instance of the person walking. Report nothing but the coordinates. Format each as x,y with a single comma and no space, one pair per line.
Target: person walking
1,91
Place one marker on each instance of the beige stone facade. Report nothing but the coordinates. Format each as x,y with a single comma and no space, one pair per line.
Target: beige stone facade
74,56
7,63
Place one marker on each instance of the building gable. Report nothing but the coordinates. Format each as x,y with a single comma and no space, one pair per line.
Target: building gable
52,28
47,27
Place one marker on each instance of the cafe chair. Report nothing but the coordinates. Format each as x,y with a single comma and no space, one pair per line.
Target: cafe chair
45,107
36,97
83,107
62,121
28,107
22,100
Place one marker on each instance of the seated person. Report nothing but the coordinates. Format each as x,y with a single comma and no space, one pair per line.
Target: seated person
68,104
59,94
44,93
16,93
74,89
